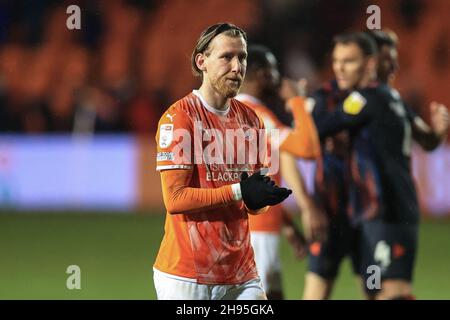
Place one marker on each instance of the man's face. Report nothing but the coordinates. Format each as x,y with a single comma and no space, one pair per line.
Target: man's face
349,65
387,63
225,64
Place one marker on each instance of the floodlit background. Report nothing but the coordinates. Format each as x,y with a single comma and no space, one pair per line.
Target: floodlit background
79,110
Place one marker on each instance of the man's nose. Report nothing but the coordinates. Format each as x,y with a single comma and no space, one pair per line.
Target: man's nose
339,67
236,65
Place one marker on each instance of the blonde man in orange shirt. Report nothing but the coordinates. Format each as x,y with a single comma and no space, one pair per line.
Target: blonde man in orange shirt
206,142
301,141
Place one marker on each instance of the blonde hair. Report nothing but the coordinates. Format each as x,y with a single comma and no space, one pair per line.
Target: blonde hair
208,35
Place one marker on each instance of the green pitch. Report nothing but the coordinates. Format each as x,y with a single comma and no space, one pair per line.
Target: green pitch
115,253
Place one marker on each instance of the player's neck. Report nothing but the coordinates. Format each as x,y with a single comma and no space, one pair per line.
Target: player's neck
215,100
366,80
364,83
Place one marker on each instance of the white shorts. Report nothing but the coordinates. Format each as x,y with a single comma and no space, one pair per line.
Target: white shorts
267,258
170,287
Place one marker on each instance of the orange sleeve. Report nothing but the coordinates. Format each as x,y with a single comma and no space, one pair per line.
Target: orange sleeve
179,198
303,140
174,140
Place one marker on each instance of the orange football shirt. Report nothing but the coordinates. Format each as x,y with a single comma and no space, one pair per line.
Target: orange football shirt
211,243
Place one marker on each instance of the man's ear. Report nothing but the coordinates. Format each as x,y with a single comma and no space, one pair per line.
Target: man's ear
200,61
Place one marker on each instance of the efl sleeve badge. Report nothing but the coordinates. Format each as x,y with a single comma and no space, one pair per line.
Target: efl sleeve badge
354,103
165,135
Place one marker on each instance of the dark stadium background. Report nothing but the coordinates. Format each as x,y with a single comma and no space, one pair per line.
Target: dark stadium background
79,110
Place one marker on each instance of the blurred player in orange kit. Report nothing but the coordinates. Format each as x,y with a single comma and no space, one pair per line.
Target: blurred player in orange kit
302,141
207,141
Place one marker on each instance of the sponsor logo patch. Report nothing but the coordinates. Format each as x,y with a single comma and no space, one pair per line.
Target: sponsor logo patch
165,156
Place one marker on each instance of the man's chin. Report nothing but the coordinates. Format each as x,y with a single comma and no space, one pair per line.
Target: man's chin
343,85
227,90
231,92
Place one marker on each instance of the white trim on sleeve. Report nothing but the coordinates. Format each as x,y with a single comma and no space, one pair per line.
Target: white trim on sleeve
237,194
173,166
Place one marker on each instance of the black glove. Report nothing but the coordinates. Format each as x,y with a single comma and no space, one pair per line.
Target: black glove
259,191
